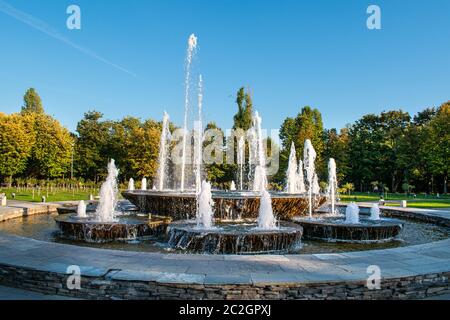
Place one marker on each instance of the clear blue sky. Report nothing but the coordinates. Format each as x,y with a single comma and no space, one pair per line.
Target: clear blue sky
290,53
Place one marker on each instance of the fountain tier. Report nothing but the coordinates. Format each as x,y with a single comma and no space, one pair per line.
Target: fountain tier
227,204
337,230
125,229
234,238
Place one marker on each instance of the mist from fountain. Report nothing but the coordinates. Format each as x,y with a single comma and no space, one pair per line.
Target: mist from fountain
198,159
241,161
144,184
352,213
163,157
205,213
375,212
332,184
108,196
309,156
81,209
192,45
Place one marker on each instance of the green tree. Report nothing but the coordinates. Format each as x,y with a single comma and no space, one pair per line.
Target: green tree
15,145
32,102
243,117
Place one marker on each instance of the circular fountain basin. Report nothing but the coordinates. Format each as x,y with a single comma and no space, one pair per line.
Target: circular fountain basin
234,238
335,229
229,205
124,229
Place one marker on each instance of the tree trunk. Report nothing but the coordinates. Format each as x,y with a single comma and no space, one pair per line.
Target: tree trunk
10,181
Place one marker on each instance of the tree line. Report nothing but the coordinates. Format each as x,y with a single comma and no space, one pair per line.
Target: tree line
391,151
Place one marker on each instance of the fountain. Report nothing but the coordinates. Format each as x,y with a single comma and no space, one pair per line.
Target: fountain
199,141
292,183
232,186
192,45
309,156
205,215
266,219
163,154
241,161
131,184
332,184
144,184
106,224
375,212
352,213
81,210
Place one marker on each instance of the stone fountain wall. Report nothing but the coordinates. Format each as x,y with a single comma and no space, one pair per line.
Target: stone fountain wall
183,206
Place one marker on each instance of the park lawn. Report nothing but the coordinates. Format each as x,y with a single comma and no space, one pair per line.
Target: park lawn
59,195
430,202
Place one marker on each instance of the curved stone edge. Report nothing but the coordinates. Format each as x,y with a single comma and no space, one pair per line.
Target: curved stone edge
407,272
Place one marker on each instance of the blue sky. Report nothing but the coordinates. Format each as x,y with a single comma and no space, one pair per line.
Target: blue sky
290,53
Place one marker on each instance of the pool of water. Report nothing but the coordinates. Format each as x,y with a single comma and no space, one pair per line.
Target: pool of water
43,227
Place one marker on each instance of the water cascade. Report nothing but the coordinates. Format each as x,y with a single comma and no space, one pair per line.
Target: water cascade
205,214
192,45
199,139
81,210
332,184
144,184
163,157
352,213
309,156
375,212
108,196
241,161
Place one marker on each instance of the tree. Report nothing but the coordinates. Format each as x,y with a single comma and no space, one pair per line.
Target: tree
15,145
243,117
32,102
306,125
91,149
52,150
437,144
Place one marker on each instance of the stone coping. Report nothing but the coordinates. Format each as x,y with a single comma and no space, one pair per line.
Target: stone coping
419,271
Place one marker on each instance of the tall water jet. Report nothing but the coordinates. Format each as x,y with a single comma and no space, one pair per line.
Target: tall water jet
332,184
232,186
81,209
108,195
352,213
292,175
192,45
241,161
375,212
131,184
300,178
144,184
205,214
163,156
260,177
199,140
309,156
266,220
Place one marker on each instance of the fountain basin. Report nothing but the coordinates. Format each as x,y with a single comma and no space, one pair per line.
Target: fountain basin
334,229
227,204
234,238
125,229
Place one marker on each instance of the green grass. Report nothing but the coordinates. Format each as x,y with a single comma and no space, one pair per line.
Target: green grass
421,201
56,195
